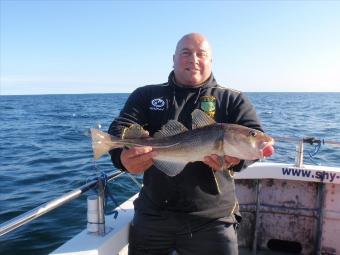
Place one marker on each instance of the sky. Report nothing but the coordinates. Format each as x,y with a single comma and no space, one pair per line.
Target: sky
106,46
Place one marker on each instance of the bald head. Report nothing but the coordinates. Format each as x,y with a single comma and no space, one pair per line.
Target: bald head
192,60
194,37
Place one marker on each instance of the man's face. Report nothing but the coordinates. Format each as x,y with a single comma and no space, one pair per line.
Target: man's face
192,61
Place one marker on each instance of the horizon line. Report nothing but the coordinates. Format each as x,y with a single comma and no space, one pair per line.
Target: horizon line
100,93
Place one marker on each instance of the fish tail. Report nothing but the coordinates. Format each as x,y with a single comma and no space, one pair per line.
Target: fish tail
102,143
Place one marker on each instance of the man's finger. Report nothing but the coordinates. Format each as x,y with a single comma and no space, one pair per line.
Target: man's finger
212,161
231,160
218,163
137,159
140,167
136,151
144,157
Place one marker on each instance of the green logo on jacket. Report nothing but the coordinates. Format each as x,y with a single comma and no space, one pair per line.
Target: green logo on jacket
208,105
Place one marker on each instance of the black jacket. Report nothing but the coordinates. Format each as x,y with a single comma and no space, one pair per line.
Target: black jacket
197,190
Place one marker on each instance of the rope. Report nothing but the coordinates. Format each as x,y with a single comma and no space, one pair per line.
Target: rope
108,194
316,150
316,142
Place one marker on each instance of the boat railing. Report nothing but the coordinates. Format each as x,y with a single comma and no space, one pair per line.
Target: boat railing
24,218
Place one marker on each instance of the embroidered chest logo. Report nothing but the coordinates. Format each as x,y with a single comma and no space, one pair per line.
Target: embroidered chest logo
208,105
157,104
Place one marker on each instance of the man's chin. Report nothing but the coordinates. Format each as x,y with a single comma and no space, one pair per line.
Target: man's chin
195,81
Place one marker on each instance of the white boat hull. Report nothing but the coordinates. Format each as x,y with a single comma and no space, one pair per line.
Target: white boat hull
298,208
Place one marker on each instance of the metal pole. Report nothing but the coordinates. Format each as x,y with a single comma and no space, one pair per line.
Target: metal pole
134,180
321,199
101,214
24,218
257,212
299,155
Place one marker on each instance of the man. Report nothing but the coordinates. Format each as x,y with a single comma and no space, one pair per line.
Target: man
195,212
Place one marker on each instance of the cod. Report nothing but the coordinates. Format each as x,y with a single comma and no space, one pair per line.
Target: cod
176,146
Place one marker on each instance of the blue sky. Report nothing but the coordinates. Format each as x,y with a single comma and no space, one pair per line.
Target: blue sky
86,46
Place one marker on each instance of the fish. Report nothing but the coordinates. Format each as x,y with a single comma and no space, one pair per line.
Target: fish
176,146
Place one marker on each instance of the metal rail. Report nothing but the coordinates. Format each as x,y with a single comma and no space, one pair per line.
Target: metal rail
321,213
24,218
309,140
257,216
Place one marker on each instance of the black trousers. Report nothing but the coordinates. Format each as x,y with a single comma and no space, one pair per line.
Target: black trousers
162,233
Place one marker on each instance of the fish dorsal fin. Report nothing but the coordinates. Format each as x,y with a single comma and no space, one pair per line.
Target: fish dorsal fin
169,168
134,131
201,119
172,127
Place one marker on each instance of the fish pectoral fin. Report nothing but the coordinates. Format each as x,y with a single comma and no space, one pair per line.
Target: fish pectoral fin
169,168
172,127
201,119
134,131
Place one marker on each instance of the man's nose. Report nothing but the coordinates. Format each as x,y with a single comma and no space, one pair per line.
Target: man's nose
193,57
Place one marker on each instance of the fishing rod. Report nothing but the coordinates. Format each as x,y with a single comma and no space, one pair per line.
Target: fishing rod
309,140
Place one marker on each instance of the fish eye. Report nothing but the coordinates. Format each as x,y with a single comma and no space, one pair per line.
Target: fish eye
252,133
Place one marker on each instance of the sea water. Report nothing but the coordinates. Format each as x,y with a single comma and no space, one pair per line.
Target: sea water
45,151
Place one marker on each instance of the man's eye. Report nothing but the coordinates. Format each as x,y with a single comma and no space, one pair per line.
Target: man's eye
202,54
185,54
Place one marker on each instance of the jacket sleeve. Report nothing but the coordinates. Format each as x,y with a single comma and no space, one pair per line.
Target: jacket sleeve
242,112
133,112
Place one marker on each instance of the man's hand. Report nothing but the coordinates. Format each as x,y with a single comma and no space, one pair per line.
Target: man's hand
137,159
215,162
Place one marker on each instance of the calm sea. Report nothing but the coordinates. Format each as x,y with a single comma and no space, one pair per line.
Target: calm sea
45,152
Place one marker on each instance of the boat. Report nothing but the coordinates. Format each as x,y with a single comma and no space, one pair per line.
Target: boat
286,208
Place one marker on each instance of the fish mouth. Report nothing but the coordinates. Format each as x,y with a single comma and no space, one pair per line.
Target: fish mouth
267,149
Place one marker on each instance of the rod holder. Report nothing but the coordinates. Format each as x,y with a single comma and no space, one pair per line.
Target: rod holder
92,214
